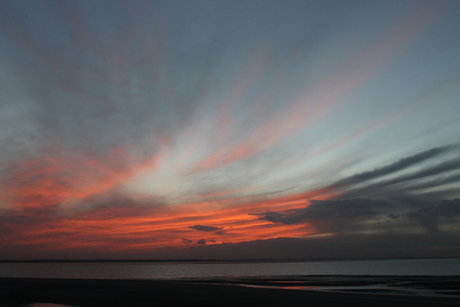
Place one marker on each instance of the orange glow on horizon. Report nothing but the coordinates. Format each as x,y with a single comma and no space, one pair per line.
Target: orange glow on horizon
134,226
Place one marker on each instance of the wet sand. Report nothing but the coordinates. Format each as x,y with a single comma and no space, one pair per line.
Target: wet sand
317,291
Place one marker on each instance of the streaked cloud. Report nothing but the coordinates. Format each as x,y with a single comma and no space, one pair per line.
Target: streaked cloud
152,127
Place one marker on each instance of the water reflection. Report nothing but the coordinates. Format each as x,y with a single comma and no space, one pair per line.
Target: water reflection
281,287
48,305
139,270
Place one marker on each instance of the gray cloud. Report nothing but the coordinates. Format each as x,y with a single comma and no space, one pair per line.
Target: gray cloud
186,241
392,168
204,228
431,216
201,242
355,215
388,187
435,182
444,208
329,209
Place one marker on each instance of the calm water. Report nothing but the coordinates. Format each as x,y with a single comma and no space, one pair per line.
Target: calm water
206,270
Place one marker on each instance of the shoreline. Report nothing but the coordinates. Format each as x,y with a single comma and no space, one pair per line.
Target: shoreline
212,260
15,292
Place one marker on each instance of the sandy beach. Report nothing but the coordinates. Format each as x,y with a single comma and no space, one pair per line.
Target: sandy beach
304,291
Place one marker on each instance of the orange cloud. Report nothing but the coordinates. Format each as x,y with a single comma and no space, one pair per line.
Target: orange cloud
130,227
62,176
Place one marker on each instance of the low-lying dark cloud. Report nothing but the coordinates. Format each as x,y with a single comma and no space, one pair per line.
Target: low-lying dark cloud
204,228
329,209
446,208
381,245
201,242
342,215
335,215
432,216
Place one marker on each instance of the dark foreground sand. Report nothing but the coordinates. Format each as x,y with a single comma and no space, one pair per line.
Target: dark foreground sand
324,291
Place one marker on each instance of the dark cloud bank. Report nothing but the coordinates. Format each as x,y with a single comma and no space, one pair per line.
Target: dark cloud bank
352,246
358,246
204,228
201,242
352,215
411,194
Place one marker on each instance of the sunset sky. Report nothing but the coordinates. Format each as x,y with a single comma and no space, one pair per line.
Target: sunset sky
229,129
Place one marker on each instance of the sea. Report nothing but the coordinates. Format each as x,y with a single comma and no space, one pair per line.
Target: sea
205,270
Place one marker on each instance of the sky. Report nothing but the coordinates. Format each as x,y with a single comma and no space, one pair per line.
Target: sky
229,129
